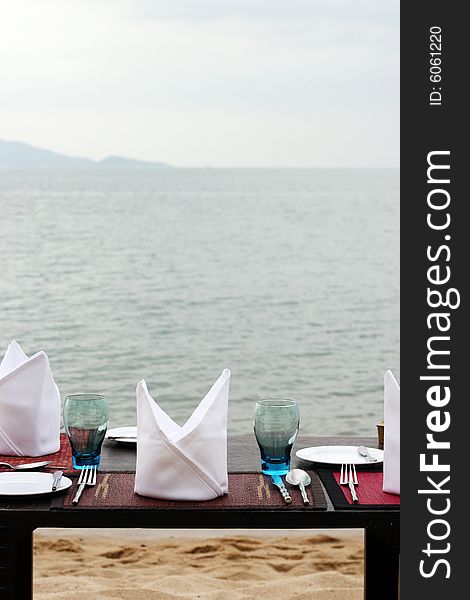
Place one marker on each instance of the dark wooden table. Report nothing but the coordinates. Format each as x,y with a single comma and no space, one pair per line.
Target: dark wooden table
19,519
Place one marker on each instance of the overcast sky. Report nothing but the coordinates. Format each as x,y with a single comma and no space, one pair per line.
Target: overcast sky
281,83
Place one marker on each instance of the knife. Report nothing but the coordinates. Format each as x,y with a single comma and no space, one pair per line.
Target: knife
354,497
56,480
276,479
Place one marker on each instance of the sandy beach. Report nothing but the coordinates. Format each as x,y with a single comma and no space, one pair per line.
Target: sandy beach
238,565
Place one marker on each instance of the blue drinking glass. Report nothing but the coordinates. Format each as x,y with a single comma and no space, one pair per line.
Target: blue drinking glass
276,424
86,418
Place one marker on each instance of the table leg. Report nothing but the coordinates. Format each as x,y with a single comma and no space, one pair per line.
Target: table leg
16,563
381,560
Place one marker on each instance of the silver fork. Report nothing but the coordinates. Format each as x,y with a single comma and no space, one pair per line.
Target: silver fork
87,477
349,479
353,477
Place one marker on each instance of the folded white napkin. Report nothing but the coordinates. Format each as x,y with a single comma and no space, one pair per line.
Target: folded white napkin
391,434
29,405
183,463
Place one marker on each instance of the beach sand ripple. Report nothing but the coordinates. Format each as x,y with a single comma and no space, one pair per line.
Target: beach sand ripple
319,567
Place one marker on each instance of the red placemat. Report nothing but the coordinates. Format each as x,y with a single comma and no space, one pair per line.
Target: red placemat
61,458
369,490
246,491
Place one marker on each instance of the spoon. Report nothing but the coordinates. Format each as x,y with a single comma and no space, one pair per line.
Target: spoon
26,466
301,478
365,453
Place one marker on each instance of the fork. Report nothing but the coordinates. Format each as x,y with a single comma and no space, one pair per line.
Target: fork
349,479
353,477
87,477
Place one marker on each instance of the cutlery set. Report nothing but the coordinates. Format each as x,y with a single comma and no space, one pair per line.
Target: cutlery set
348,477
87,475
293,477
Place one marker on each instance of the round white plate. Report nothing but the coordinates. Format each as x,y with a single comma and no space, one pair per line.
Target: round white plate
28,484
124,435
336,455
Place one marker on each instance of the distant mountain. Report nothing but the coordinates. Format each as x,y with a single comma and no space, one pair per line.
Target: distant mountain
121,162
19,154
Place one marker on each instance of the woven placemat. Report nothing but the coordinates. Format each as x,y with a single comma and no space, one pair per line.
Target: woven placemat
246,491
62,458
369,491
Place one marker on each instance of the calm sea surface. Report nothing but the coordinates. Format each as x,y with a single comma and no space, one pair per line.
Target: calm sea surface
290,278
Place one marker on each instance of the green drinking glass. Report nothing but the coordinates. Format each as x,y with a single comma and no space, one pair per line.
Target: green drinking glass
276,424
86,418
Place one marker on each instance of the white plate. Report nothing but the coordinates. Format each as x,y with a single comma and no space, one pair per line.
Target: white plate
28,484
336,455
129,435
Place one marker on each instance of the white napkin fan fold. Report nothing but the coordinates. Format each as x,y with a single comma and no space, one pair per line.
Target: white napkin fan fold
29,404
391,466
188,462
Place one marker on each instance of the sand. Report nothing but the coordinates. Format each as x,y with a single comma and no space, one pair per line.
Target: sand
147,565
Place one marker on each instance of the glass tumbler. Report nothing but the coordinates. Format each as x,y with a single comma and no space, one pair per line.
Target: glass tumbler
276,424
86,418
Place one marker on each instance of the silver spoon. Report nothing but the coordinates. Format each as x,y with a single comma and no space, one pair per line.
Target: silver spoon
365,453
26,466
301,478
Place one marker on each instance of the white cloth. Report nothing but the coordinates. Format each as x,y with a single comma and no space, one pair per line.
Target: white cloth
29,405
391,434
183,463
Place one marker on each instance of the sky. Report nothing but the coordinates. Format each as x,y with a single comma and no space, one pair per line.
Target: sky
196,83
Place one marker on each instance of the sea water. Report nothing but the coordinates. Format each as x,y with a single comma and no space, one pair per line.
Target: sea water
290,278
